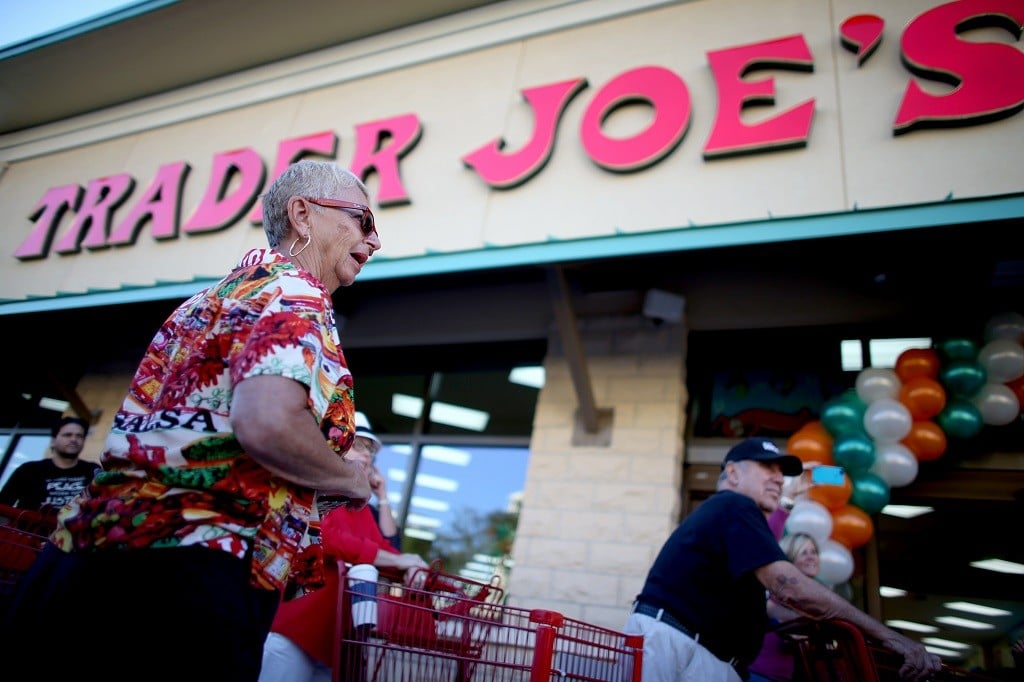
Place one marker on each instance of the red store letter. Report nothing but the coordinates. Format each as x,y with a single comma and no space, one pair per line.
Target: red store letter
218,208
379,146
730,135
988,77
46,215
664,91
290,151
161,203
92,224
503,171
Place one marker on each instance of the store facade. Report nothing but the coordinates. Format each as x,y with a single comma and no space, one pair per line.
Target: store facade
637,197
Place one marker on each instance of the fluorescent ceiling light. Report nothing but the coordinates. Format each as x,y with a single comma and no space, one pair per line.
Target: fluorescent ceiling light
407,405
487,559
459,417
976,608
881,352
448,485
947,643
851,354
430,504
999,566
54,404
885,352
421,521
446,455
478,567
964,623
906,511
890,592
421,534
532,377
945,653
911,625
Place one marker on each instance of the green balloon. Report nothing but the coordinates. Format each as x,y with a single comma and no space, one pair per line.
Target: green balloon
854,451
957,349
963,378
843,414
870,492
960,418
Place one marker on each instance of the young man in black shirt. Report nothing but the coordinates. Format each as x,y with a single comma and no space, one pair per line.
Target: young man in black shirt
49,484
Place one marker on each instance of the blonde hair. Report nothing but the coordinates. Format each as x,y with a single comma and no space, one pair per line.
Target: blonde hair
793,544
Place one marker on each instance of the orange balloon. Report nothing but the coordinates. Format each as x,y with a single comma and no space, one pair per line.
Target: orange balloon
917,362
851,526
926,440
811,443
832,496
923,396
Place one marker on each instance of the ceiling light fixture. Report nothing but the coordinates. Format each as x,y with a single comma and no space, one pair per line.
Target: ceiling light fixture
890,592
946,643
906,511
1000,566
531,377
977,609
964,623
911,625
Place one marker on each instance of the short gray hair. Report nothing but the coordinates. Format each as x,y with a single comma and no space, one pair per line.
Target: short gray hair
306,178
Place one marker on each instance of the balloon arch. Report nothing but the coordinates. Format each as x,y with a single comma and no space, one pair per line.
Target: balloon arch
892,420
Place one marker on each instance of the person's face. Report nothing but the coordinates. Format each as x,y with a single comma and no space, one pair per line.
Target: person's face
343,247
69,441
807,559
760,481
363,452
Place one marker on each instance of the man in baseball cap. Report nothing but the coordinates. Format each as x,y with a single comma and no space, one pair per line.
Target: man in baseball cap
764,450
702,608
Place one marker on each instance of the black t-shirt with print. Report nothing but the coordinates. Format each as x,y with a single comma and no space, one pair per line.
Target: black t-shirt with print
39,483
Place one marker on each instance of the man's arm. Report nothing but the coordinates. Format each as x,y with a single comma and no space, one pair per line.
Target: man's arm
271,421
808,597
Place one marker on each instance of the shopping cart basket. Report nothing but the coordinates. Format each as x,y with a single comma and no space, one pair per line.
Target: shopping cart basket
448,628
22,536
837,651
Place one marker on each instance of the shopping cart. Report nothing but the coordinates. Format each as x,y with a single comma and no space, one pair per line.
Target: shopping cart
23,534
449,628
837,651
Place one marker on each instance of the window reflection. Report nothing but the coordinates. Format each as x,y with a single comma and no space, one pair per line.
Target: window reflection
464,500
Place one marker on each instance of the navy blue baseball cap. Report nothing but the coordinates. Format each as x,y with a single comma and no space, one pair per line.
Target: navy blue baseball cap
764,450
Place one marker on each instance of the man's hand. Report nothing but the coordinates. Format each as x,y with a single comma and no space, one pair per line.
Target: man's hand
918,664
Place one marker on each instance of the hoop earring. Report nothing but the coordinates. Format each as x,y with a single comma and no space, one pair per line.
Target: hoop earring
291,250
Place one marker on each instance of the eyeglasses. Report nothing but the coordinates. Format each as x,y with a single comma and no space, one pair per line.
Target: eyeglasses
366,223
370,447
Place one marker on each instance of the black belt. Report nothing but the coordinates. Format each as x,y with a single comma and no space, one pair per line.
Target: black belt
668,619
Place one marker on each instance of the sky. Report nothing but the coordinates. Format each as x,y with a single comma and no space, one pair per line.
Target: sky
25,19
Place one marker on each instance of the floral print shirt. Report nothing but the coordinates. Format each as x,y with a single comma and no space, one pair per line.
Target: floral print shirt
173,473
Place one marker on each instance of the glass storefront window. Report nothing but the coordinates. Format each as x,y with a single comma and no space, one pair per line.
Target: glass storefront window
27,448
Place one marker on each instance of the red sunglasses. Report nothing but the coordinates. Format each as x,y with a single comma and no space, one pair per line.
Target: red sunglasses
366,223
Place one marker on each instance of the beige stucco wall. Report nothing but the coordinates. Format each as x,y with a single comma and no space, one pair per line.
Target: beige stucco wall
593,518
463,78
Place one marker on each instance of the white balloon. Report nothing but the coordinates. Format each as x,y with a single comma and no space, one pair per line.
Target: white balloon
887,420
835,561
997,403
1002,359
874,383
1005,326
895,464
812,518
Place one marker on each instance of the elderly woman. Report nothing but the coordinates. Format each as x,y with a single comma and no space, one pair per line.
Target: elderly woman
775,663
170,565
